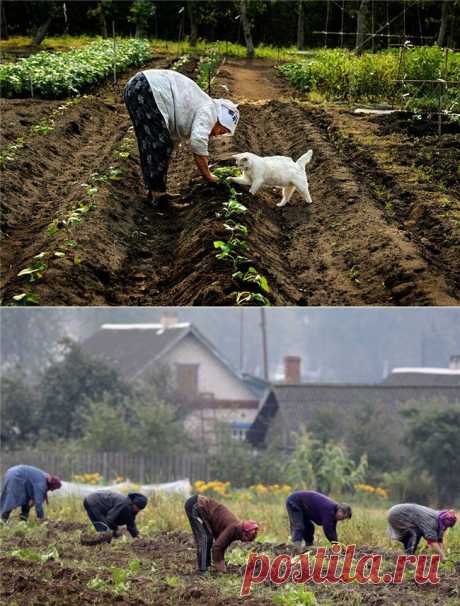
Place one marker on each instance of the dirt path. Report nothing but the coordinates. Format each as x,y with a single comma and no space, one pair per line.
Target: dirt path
250,80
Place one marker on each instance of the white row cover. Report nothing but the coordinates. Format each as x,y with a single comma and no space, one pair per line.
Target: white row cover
73,489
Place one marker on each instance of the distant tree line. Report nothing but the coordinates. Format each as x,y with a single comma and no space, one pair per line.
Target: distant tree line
274,22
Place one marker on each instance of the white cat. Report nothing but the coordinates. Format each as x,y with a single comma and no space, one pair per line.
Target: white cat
274,171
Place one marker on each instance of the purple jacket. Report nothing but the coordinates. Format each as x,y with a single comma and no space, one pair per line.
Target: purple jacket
318,508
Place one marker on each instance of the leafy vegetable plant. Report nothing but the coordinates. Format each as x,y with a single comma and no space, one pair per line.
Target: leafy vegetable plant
56,75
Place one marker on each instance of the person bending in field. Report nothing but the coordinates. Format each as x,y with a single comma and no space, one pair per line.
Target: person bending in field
214,527
409,523
307,508
24,486
165,107
109,510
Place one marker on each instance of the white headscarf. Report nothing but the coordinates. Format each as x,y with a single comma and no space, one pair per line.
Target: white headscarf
227,114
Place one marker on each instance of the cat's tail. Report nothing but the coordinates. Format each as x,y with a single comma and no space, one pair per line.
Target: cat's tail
305,159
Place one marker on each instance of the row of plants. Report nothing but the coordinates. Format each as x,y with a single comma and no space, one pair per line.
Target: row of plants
43,127
219,488
234,250
339,74
224,489
66,248
56,75
207,68
181,62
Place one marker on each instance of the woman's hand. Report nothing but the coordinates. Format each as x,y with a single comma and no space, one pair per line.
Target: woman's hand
220,566
202,163
437,548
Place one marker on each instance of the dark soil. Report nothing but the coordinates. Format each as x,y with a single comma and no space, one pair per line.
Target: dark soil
166,574
383,229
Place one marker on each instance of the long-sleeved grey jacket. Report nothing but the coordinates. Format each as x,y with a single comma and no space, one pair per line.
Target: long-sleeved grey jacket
410,516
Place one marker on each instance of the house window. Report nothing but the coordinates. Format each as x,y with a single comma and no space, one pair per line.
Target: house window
187,379
239,430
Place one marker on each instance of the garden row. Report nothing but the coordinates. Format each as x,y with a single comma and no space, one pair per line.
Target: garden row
56,75
234,250
343,75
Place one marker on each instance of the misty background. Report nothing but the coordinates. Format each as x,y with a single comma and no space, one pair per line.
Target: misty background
336,344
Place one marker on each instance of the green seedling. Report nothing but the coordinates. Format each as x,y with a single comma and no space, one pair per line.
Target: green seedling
354,274
9,153
237,556
245,297
27,298
233,207
236,228
295,596
222,172
172,581
251,275
34,271
180,62
32,556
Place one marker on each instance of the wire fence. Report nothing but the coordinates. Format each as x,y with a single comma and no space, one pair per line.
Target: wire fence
110,465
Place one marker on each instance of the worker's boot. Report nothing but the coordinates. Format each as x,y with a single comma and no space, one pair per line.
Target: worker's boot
298,547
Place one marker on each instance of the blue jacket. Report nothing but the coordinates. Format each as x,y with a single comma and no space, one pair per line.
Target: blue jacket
22,484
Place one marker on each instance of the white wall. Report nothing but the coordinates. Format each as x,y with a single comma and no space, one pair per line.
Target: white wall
213,376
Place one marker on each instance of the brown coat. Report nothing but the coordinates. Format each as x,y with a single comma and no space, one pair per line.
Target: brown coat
221,523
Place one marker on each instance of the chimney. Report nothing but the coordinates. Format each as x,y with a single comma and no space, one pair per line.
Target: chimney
168,320
292,369
454,362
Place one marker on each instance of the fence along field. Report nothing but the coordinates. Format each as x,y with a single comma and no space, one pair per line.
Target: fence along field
109,465
383,227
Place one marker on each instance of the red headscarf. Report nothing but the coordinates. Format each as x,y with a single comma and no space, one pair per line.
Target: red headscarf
54,483
250,528
447,518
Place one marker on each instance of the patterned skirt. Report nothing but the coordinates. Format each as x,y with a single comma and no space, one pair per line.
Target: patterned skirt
153,138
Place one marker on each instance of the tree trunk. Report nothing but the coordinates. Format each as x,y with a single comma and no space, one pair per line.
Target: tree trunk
43,29
444,23
4,24
246,25
300,27
361,24
102,21
193,24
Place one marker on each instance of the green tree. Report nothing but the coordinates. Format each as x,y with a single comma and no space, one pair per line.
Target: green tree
433,437
300,469
105,428
336,472
138,424
231,460
19,419
69,384
159,428
141,13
